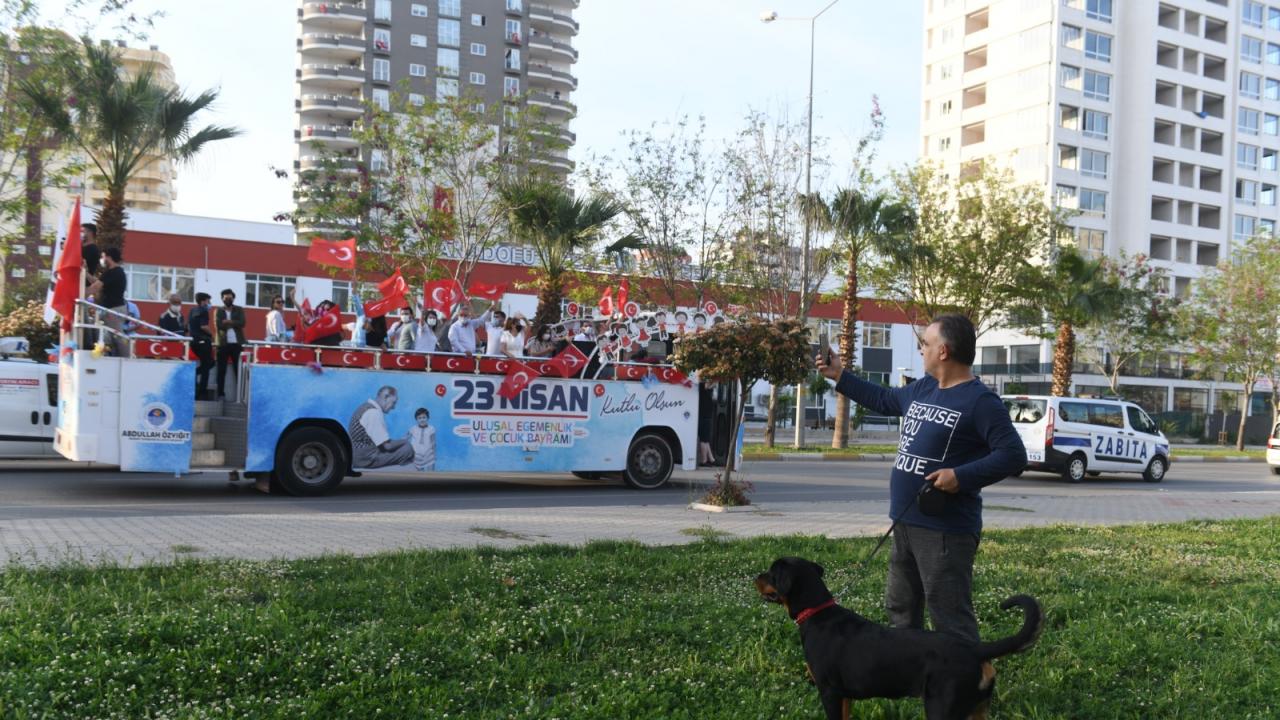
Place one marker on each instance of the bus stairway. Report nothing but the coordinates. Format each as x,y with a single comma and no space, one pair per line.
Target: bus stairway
219,435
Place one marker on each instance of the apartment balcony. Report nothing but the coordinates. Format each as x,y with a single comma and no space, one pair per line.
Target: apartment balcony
555,107
342,77
159,170
545,47
332,46
333,105
542,17
553,162
561,134
541,74
333,15
335,136
342,165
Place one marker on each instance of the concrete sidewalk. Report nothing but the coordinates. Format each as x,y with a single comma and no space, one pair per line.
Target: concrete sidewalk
144,539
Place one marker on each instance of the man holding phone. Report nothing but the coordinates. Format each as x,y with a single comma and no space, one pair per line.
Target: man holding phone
956,437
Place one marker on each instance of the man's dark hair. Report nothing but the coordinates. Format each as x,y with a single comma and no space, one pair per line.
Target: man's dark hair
201,297
959,336
421,411
113,253
227,291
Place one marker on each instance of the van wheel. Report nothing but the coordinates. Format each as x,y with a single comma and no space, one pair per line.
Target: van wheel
649,462
310,461
1155,470
1076,468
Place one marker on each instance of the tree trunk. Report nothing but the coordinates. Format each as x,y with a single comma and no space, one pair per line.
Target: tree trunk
848,350
549,297
771,424
111,219
1064,355
1244,413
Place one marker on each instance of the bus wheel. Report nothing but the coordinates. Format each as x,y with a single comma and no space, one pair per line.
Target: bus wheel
649,462
1155,470
310,461
1076,468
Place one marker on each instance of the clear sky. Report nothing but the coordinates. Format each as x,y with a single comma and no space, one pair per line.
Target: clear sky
642,61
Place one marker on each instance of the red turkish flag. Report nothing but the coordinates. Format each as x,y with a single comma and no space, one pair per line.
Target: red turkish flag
606,302
624,289
671,375
324,326
337,253
346,358
67,290
630,372
449,362
394,285
442,295
488,292
403,361
518,378
378,308
300,325
158,349
286,355
569,362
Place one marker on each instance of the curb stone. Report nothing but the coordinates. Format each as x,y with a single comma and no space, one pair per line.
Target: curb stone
874,457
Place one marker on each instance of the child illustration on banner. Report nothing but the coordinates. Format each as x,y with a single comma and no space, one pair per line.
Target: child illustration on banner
422,437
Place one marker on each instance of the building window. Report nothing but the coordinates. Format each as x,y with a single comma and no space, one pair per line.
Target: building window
418,40
478,108
944,108
1069,77
1247,121
1269,160
1246,156
1091,242
1273,53
377,160
513,31
452,8
1096,124
1251,14
417,70
449,32
512,59
382,10
479,49
1273,18
17,272
1270,124
477,19
514,6
1069,117
260,289
1250,85
1272,89
446,88
1064,195
1093,163
417,99
18,249
1072,36
1067,157
1098,10
418,10
477,78
381,70
156,283
510,87
382,98
1265,227
876,335
1097,46
945,71
1250,49
44,250
447,62
944,143
1267,195
1097,85
1245,227
1093,202
1247,192
382,40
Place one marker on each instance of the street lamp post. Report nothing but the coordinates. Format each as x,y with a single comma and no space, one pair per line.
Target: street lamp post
768,17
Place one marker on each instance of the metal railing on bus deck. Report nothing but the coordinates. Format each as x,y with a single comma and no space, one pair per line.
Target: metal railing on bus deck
131,340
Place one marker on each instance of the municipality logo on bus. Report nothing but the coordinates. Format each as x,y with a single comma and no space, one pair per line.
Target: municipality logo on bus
154,423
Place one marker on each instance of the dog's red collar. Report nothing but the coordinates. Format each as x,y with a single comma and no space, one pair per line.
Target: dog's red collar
810,612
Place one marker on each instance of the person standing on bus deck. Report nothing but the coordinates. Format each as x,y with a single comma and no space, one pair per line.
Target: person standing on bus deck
956,435
108,291
229,322
277,331
371,443
493,333
171,319
201,342
462,334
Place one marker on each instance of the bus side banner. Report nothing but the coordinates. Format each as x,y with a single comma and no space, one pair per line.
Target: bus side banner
157,411
420,422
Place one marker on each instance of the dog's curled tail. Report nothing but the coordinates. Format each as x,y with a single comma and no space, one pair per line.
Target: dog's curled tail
1032,624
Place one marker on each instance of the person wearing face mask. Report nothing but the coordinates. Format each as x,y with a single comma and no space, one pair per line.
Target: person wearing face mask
277,331
493,337
462,333
428,334
400,336
171,319
541,345
229,321
201,342
514,335
586,333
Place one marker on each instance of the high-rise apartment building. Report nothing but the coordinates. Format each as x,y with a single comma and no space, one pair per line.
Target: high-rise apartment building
1159,120
351,53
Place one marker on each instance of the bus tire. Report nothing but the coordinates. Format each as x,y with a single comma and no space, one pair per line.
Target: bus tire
310,461
649,462
1076,468
1155,469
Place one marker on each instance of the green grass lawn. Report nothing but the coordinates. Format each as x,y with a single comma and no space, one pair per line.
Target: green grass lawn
1208,451
1173,621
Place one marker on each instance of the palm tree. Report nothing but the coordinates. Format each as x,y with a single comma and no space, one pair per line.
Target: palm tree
556,224
1067,294
118,122
863,223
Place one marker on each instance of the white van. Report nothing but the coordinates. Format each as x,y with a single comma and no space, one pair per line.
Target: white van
1079,436
28,407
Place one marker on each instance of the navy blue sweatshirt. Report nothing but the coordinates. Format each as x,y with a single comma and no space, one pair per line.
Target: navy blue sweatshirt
964,427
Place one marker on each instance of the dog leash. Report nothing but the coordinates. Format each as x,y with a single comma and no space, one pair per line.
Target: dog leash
923,489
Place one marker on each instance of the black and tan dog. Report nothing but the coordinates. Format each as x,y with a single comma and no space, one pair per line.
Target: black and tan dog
850,657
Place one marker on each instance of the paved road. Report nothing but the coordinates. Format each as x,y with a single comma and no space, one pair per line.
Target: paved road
51,512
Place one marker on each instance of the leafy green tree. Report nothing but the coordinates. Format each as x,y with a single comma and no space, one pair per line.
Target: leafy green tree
744,353
864,223
1230,318
27,321
117,122
1145,320
559,227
